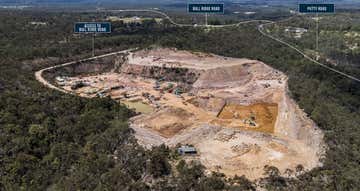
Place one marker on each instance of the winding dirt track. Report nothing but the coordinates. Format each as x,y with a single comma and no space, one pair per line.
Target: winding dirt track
39,74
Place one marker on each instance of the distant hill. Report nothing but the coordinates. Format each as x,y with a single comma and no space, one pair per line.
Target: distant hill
247,2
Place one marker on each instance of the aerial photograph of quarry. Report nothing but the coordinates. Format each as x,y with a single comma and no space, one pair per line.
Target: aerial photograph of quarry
180,95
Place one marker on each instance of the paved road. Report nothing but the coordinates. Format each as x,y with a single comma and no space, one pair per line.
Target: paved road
187,25
260,28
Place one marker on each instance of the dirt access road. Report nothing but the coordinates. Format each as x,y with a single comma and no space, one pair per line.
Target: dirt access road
260,28
39,74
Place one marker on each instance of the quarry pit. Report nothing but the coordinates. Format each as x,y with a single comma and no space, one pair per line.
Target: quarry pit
236,112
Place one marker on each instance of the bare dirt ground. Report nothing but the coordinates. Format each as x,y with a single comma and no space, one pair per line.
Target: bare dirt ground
236,112
263,113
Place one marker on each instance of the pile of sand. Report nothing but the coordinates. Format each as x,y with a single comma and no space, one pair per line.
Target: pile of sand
168,122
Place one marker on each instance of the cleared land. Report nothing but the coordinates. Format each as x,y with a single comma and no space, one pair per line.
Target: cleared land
236,112
257,117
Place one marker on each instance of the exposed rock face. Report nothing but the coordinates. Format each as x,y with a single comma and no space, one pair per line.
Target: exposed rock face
120,60
184,75
97,66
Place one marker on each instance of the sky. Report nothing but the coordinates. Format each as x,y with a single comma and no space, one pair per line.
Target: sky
269,2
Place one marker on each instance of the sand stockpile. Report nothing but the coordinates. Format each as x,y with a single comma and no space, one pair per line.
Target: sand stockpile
223,77
168,122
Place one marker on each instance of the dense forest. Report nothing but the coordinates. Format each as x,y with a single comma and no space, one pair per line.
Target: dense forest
53,141
338,43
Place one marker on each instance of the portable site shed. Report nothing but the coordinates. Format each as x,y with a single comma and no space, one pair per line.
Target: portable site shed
183,150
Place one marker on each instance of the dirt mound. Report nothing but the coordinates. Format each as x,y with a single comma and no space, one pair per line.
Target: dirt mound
223,77
245,148
208,103
167,122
